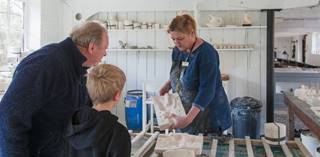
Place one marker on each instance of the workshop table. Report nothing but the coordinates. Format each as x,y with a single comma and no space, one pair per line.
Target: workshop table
233,147
303,111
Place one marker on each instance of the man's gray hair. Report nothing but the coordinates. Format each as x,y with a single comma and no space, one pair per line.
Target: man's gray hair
89,31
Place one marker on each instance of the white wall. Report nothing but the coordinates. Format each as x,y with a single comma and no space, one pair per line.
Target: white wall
51,21
57,16
32,24
283,44
298,44
246,68
43,23
297,21
286,44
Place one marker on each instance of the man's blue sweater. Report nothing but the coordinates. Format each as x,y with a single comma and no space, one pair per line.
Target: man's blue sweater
46,89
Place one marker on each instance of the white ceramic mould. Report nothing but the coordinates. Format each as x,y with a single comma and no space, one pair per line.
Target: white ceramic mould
164,106
179,152
175,141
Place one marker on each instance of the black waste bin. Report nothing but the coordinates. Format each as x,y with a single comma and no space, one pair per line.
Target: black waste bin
246,117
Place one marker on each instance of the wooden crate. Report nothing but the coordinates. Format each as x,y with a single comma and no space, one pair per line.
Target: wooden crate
251,143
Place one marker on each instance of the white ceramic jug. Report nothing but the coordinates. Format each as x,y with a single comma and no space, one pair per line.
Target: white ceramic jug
214,21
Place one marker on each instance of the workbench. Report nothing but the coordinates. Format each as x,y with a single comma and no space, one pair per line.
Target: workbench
227,147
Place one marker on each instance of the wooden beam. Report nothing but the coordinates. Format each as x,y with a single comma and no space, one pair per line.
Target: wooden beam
267,148
270,83
231,148
290,129
139,135
303,149
147,145
214,146
249,147
286,150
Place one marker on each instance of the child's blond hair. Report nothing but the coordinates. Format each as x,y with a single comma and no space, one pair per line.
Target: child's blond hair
104,81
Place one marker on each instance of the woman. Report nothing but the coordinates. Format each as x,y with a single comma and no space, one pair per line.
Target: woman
195,75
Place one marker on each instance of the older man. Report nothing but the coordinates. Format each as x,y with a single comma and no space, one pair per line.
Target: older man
47,87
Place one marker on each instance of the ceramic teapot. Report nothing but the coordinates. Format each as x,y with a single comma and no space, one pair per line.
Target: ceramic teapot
214,21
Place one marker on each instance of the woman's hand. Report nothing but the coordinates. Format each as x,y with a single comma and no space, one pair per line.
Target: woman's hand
165,88
179,121
183,121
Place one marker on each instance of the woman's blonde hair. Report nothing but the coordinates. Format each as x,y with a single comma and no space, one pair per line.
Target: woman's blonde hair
104,81
89,31
182,23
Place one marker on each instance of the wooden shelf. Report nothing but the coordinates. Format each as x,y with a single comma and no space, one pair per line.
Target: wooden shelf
156,50
141,29
233,27
248,49
144,50
201,28
169,50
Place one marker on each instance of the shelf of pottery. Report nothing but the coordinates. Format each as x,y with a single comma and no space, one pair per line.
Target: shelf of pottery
146,31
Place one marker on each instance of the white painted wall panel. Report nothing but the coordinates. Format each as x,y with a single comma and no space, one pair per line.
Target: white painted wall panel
33,24
51,21
141,68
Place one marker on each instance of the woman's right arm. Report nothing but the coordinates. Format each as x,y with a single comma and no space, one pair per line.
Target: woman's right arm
165,88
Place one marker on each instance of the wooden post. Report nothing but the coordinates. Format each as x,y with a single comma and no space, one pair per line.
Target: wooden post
231,148
214,146
290,130
267,148
303,149
147,145
286,150
249,147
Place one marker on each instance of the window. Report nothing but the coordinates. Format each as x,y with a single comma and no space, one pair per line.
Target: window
315,43
11,27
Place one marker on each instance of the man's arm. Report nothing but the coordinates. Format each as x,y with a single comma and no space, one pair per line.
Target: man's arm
22,99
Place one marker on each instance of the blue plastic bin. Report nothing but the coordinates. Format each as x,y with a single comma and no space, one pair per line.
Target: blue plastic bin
246,117
133,110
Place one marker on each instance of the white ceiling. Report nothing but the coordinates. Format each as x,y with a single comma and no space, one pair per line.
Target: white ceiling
297,21
306,13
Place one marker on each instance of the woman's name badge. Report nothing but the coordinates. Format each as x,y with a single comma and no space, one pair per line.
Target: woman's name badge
185,64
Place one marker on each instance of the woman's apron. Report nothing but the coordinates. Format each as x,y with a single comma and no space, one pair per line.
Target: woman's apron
201,123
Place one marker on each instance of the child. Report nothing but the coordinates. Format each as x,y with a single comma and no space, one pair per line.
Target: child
95,132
